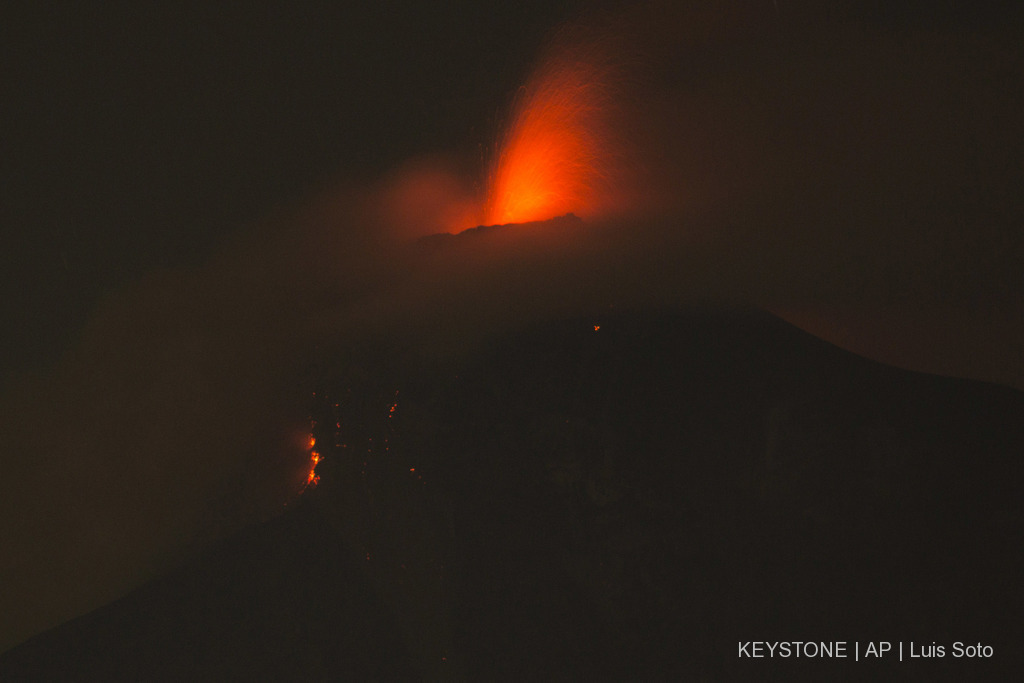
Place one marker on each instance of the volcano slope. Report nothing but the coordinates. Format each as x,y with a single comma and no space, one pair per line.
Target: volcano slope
617,498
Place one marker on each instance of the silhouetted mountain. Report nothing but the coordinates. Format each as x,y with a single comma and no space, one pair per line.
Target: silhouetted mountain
623,498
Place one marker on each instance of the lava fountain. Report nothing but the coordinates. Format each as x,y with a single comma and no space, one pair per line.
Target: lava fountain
557,156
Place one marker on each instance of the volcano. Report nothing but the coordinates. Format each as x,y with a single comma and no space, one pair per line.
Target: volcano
623,497
260,421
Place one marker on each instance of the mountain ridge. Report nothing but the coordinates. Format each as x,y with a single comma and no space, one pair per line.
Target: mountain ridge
630,493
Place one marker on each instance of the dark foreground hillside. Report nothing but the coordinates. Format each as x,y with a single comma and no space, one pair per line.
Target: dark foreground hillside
627,498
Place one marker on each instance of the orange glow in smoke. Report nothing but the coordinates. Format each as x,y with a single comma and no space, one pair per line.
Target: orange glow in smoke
555,157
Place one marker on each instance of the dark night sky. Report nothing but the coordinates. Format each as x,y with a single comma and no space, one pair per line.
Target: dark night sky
135,141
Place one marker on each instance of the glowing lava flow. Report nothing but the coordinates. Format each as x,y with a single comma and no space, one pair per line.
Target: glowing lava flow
312,479
556,156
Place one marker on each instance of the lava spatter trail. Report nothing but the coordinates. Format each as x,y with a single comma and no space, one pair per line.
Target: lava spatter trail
559,154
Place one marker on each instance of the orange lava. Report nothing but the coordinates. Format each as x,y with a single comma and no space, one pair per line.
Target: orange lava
312,478
555,156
